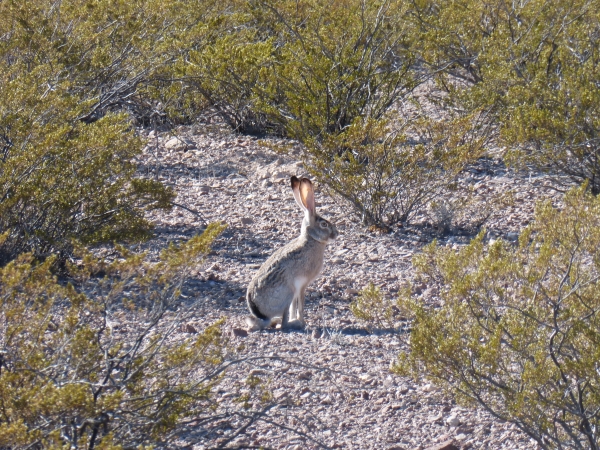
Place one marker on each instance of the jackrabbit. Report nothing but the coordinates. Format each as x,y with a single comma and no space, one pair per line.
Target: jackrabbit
277,290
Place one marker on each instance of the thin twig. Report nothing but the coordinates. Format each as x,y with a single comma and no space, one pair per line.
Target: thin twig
194,212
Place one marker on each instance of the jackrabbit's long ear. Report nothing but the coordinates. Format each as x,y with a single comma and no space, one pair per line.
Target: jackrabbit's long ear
296,189
307,195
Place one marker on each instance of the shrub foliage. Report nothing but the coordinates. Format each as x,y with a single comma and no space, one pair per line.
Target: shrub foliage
388,173
517,331
66,162
99,363
534,63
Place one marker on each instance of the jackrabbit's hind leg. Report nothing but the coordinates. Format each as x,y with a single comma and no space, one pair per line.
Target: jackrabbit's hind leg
256,324
285,317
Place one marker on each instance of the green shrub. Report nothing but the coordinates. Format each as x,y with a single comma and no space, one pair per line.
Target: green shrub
384,173
66,163
228,69
100,363
373,308
62,179
304,68
337,61
517,329
533,64
118,55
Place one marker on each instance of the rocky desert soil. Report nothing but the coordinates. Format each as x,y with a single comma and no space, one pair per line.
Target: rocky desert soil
330,385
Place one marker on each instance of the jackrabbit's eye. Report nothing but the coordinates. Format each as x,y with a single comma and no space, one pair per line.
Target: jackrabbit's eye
323,224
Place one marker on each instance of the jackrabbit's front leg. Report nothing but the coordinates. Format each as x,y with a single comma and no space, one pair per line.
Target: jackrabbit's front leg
300,307
285,317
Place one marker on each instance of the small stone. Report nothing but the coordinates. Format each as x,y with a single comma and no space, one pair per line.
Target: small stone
464,429
428,388
436,419
279,394
246,220
307,375
239,332
337,261
351,291
326,401
204,190
278,176
365,395
173,143
316,334
452,421
188,328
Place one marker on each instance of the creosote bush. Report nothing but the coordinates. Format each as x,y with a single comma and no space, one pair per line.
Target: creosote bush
517,329
337,61
373,308
534,64
68,73
99,362
388,175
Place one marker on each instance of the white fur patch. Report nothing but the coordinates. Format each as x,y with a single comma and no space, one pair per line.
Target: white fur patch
299,282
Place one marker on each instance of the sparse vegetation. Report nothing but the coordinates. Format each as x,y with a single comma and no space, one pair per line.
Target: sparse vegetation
516,331
516,327
533,65
98,363
384,174
373,308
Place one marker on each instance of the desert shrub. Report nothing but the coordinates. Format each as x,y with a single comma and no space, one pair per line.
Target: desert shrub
388,172
228,74
535,64
100,362
553,101
338,61
61,178
516,330
66,163
373,308
118,56
304,68
228,71
463,211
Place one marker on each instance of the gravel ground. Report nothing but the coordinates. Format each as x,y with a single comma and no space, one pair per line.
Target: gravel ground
328,386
